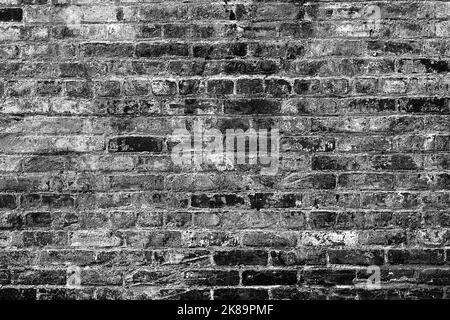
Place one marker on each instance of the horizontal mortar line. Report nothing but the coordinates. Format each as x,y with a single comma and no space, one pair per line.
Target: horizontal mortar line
426,38
224,211
237,192
293,117
237,231
267,190
172,2
175,117
250,56
39,58
81,58
30,21
221,99
145,153
227,172
275,76
301,134
341,4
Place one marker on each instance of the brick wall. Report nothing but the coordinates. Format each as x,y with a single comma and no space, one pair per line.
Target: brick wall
92,205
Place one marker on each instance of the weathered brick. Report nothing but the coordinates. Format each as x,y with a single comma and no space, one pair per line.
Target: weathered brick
161,49
11,14
211,278
241,294
416,256
272,277
136,144
241,257
356,257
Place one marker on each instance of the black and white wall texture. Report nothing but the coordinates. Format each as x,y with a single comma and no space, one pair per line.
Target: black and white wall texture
203,149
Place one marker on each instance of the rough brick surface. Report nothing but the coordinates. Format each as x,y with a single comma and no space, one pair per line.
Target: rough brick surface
92,206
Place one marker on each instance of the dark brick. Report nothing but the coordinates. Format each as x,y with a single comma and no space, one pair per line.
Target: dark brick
394,162
241,294
249,86
303,256
11,14
135,144
190,87
241,257
253,106
91,97
416,256
220,51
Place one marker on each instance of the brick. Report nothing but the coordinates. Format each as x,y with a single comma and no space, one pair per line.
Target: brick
356,257
108,50
249,86
17,258
277,87
253,106
308,144
180,257
17,294
301,256
48,88
220,51
220,87
164,88
37,277
328,277
265,239
216,201
7,201
107,88
416,256
298,294
210,238
161,49
273,277
137,144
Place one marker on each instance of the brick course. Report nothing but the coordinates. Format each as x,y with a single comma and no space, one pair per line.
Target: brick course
91,90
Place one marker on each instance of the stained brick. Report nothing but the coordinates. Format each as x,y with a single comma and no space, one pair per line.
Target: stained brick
95,96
